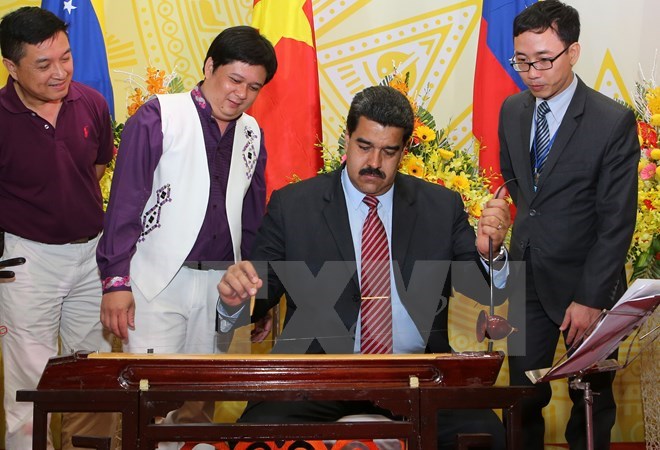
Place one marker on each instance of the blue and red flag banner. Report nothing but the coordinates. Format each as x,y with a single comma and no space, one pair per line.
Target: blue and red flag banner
494,78
289,107
90,61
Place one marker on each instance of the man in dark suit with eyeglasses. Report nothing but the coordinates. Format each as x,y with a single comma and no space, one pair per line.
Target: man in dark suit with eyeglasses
572,156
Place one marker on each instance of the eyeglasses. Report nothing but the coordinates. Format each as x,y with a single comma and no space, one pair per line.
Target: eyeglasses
541,64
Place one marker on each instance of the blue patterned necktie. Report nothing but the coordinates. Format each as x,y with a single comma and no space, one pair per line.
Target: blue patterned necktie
541,140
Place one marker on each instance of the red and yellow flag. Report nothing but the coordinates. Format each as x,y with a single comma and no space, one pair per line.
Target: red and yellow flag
288,108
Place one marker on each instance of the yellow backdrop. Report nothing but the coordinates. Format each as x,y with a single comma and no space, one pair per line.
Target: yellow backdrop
358,42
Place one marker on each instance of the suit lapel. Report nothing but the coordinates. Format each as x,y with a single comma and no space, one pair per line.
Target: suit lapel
522,160
336,217
565,131
404,216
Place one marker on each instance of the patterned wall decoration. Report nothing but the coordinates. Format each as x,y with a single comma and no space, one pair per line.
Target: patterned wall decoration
359,41
426,46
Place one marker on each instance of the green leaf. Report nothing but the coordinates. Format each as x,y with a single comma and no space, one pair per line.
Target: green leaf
176,85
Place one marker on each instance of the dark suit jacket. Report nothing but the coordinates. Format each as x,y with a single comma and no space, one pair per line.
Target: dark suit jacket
579,223
308,221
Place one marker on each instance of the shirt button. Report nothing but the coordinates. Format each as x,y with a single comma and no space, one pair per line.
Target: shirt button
215,206
46,126
532,212
33,114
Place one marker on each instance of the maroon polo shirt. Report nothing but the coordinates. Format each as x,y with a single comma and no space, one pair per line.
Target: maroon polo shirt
48,187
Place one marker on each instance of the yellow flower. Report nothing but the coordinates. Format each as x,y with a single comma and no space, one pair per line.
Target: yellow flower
655,153
424,133
458,182
653,100
461,182
413,165
446,154
655,120
434,159
475,210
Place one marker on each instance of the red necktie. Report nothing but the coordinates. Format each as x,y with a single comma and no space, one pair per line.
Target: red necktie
376,308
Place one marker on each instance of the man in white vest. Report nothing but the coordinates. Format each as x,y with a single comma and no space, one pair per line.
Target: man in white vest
188,193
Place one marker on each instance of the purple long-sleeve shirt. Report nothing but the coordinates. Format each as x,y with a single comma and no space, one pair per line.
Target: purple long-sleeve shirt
140,151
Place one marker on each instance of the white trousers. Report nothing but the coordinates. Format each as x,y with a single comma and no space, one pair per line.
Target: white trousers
181,319
57,293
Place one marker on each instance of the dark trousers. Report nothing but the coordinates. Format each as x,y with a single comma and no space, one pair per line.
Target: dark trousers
450,422
541,336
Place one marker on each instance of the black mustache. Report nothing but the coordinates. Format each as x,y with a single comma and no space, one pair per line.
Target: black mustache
372,171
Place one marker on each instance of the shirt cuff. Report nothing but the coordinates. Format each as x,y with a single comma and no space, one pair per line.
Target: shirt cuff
112,284
226,320
499,275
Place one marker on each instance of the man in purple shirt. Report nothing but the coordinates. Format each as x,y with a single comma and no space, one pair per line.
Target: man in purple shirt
188,192
55,140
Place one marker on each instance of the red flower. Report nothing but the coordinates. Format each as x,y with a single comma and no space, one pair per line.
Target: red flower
648,204
657,256
648,134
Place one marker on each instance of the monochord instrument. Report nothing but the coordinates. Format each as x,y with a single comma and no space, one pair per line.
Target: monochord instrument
127,370
145,387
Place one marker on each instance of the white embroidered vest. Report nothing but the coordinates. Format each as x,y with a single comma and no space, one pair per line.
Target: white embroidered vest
175,211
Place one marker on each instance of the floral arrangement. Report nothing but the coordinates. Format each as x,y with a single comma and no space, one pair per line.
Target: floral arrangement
143,88
430,155
644,252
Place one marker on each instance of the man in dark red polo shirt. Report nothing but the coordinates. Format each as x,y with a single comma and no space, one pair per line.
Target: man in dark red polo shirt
55,140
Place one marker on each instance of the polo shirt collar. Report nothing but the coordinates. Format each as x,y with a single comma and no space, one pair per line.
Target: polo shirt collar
12,102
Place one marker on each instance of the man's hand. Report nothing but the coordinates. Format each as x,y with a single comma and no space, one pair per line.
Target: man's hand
576,320
238,284
494,223
118,313
261,329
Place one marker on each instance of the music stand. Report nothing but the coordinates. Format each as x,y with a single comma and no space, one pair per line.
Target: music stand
604,336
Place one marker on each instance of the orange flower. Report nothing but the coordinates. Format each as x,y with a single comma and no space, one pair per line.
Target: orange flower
137,99
398,82
413,165
155,81
132,109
